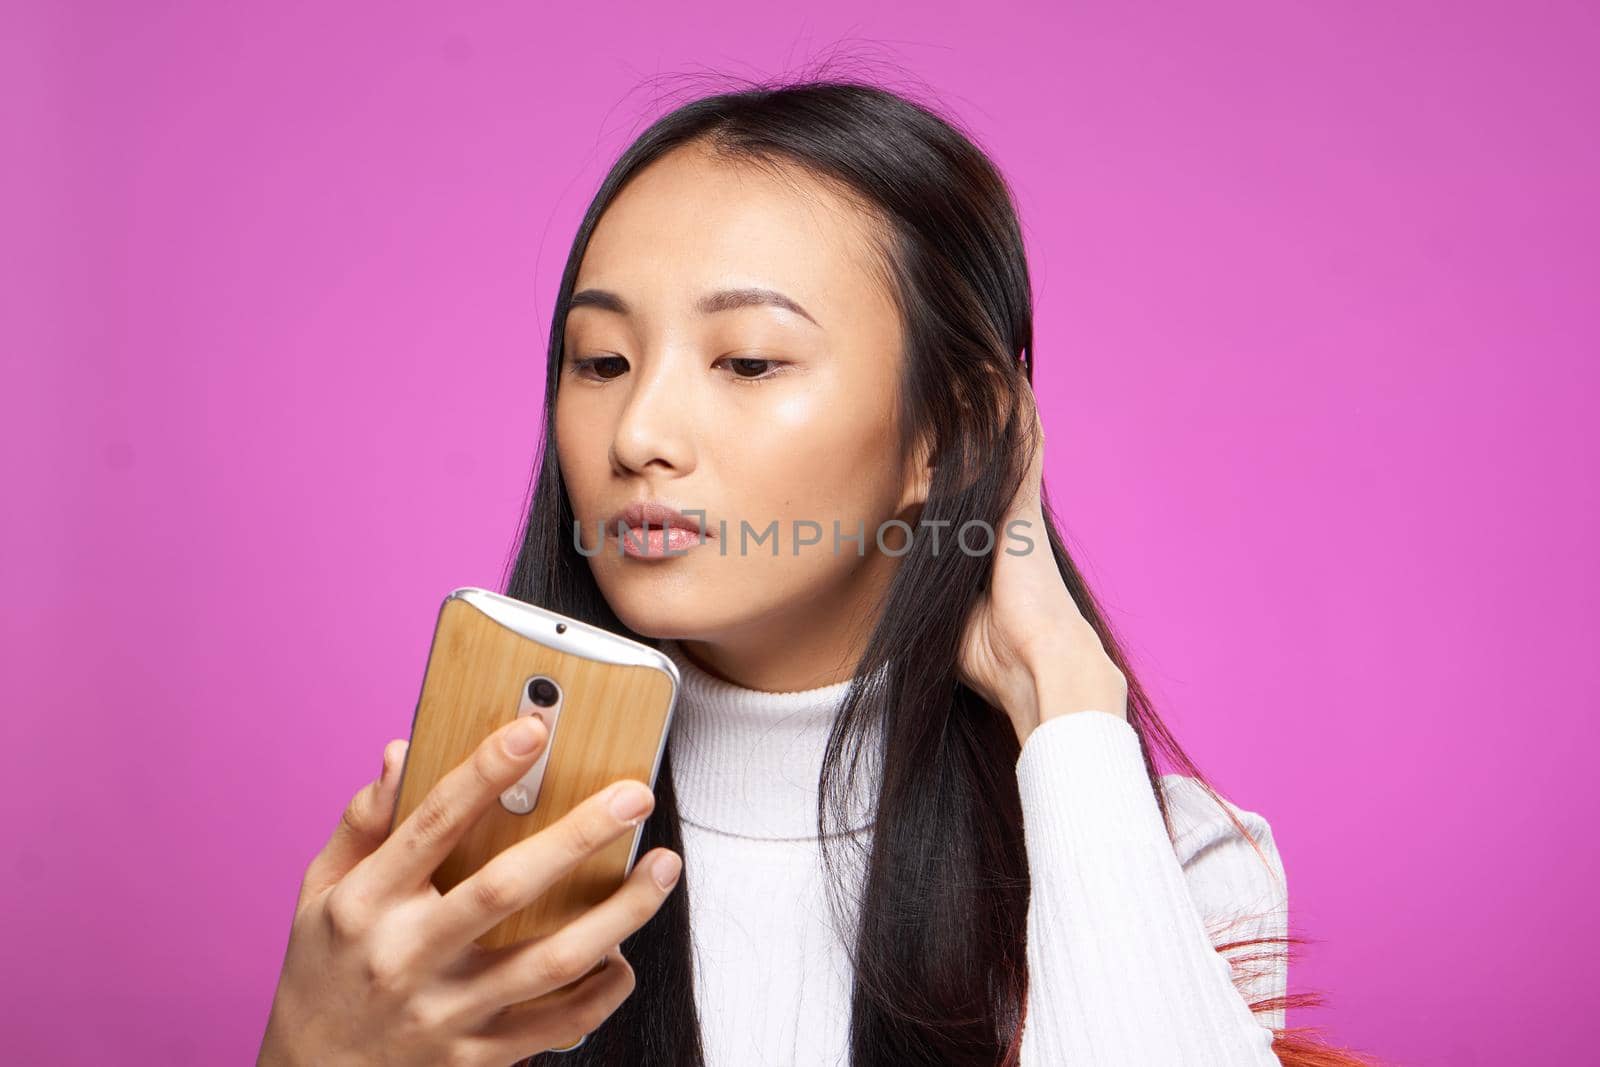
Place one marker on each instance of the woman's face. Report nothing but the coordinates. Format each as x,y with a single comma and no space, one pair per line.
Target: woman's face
753,413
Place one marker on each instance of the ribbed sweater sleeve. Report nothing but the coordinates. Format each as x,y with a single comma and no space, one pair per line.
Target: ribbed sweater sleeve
1121,968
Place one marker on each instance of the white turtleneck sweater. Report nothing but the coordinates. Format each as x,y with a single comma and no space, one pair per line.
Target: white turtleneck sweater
1121,966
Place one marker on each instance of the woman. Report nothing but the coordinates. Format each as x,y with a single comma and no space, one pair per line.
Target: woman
910,785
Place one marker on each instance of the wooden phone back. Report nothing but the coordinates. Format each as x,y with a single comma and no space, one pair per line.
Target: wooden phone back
612,724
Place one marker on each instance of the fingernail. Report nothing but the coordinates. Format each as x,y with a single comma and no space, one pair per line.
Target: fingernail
665,869
630,800
391,756
525,736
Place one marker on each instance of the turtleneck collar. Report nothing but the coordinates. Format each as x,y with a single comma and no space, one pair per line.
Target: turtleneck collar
747,762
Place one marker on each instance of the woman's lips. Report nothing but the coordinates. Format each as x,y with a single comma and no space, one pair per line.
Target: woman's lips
649,542
656,529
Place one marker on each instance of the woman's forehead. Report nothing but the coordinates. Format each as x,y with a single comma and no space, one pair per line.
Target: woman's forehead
690,225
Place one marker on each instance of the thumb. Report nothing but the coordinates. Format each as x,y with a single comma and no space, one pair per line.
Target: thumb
363,825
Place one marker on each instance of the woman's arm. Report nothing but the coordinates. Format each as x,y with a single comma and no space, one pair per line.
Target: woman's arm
1121,966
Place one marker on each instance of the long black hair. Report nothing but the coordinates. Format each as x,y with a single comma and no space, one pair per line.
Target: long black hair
939,959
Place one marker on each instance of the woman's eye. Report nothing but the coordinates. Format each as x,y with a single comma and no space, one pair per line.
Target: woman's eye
750,368
601,365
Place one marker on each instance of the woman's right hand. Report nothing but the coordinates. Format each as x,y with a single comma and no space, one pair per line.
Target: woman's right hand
382,968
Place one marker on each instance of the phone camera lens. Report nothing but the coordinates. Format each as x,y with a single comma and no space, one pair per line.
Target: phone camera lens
543,692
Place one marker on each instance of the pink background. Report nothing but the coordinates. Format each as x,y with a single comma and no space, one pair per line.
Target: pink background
1317,322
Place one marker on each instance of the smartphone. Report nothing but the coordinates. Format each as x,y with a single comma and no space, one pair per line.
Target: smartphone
607,702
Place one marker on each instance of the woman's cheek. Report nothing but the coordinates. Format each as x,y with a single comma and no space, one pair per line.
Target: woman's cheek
798,411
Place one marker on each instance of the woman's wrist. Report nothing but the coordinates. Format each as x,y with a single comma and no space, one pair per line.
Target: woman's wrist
1039,700
1055,687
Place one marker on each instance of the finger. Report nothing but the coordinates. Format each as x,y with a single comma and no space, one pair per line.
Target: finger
1029,496
561,1019
1035,434
519,972
408,857
525,871
362,825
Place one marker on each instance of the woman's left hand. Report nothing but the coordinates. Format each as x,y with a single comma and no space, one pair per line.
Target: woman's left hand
1027,649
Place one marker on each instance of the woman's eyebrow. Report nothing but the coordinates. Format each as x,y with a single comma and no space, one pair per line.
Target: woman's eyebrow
710,304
